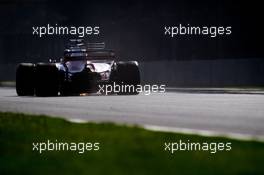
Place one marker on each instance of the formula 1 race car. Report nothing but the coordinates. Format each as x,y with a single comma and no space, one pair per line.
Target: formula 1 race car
84,69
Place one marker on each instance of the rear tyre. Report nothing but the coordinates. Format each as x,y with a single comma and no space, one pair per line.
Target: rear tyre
25,79
47,80
127,77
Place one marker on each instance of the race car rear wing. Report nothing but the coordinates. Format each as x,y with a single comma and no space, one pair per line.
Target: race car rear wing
95,46
77,47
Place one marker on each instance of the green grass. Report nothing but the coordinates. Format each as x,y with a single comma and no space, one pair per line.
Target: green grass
123,150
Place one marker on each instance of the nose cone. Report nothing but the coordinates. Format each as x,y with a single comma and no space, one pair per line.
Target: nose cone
76,66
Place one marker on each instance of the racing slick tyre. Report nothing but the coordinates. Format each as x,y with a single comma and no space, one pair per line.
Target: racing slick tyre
25,79
47,80
127,77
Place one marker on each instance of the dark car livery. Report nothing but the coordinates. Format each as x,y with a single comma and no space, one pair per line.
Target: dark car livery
82,70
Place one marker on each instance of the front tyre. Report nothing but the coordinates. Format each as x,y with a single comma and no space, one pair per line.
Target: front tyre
47,80
127,77
25,79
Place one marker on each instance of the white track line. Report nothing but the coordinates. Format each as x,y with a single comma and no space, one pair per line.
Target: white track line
76,120
199,132
207,133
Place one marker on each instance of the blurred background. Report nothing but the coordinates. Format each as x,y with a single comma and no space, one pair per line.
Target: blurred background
135,30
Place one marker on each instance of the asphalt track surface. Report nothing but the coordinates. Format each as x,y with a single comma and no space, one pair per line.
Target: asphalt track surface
241,114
